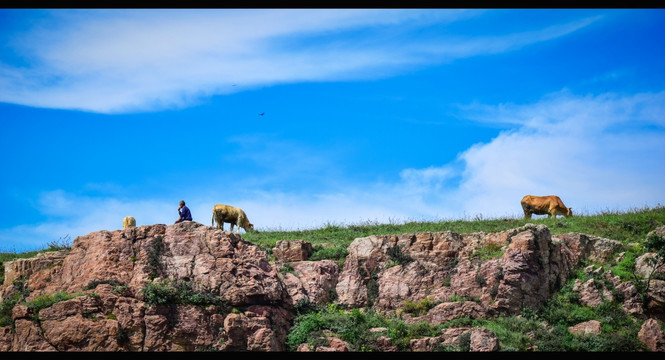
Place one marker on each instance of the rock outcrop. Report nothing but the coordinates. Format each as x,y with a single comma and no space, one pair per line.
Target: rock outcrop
190,287
474,275
294,250
591,327
652,335
107,273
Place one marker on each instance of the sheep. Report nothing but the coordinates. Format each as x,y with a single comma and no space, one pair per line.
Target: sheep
235,216
129,221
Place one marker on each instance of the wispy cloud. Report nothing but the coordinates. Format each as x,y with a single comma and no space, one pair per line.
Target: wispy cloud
65,214
597,152
118,61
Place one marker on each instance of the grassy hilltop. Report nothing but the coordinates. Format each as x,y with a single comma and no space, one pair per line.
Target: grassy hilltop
542,330
330,241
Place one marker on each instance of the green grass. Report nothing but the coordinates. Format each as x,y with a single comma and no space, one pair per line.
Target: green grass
353,326
488,252
46,300
419,308
627,227
6,307
179,292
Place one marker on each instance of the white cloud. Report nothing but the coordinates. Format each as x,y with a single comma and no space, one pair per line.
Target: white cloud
596,152
65,214
117,61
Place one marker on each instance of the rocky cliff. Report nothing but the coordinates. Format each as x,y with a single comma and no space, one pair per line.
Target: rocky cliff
192,287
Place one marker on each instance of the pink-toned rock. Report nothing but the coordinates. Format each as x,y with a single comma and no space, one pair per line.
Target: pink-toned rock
113,316
444,265
156,328
20,312
24,268
317,279
452,335
645,268
386,271
28,337
130,314
385,344
651,334
81,334
589,294
595,248
219,261
6,337
483,340
338,345
591,327
295,289
427,344
261,328
656,299
632,303
304,348
447,311
292,250
594,292
449,338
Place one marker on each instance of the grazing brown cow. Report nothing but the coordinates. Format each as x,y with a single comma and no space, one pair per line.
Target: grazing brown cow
541,205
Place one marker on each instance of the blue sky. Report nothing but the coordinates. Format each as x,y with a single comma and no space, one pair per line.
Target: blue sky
369,115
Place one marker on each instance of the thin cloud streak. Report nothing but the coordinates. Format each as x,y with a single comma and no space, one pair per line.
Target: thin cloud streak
145,60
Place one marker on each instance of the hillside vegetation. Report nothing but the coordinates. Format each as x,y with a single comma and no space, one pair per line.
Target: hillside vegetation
543,329
630,227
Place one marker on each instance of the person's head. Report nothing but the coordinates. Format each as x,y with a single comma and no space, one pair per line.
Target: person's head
182,202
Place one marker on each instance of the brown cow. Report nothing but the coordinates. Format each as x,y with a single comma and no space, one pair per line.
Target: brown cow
541,205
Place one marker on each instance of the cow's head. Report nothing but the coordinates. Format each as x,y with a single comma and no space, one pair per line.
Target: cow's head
569,212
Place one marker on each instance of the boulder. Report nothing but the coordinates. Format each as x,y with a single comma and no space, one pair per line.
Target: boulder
311,281
651,334
591,327
107,271
387,271
645,268
483,340
594,248
292,250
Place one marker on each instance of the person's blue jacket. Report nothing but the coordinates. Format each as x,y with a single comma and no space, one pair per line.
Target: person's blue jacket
185,214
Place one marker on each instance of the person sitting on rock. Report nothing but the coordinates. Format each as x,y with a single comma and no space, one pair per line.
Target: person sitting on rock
183,211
